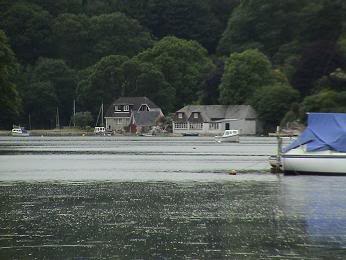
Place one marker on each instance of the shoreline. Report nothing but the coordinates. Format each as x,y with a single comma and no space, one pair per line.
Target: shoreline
53,132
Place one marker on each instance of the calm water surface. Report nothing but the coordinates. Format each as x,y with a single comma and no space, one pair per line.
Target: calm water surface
162,198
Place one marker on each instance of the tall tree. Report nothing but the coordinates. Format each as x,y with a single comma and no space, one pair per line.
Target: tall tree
144,79
189,19
71,33
102,83
28,27
184,64
82,41
244,73
9,98
326,101
262,24
40,102
62,79
271,103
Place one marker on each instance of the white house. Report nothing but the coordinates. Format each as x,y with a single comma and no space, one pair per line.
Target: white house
215,119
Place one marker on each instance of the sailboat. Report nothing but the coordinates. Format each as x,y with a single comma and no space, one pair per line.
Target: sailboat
320,149
100,130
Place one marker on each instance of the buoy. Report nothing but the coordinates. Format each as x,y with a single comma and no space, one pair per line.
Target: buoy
233,172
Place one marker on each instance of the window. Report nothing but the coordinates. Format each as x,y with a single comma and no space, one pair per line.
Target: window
195,115
180,115
126,108
117,108
214,126
197,126
180,125
144,107
122,121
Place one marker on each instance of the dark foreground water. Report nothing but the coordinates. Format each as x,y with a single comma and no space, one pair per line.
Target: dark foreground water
140,198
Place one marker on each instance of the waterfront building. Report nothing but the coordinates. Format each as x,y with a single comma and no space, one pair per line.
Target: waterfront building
215,119
132,114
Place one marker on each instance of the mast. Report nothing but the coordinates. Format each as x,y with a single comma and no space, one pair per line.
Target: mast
74,113
57,122
102,114
29,121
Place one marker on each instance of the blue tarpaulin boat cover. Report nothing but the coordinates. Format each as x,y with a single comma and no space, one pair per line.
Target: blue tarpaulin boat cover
325,131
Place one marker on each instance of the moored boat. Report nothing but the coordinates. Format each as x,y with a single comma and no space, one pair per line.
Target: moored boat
19,131
320,149
228,136
190,134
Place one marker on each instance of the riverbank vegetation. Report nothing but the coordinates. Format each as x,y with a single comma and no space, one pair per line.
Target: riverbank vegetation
285,58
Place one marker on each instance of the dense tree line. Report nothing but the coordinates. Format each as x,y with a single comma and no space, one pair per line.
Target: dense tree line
283,57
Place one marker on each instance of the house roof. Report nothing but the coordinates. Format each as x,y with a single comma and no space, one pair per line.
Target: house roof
219,112
135,102
146,118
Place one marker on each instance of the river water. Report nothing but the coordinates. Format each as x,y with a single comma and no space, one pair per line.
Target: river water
162,198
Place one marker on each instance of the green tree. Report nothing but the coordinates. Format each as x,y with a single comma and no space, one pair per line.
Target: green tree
28,27
40,102
272,102
64,81
199,20
117,34
102,83
82,41
146,80
244,73
9,98
251,26
83,119
325,101
210,93
71,33
184,65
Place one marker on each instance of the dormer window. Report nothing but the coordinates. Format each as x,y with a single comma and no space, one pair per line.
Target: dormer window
126,108
144,107
180,115
195,115
117,108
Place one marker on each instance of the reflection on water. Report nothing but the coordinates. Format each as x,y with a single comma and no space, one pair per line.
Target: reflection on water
58,203
143,220
246,220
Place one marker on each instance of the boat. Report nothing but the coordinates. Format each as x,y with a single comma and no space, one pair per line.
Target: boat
228,137
190,134
19,131
100,130
320,149
146,135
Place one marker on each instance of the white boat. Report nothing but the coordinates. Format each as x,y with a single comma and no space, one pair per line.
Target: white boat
228,136
99,130
320,149
19,131
300,161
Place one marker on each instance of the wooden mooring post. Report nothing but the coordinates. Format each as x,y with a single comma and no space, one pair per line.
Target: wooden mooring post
276,168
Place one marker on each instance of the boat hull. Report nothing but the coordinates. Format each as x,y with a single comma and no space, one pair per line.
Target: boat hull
323,164
18,134
229,139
